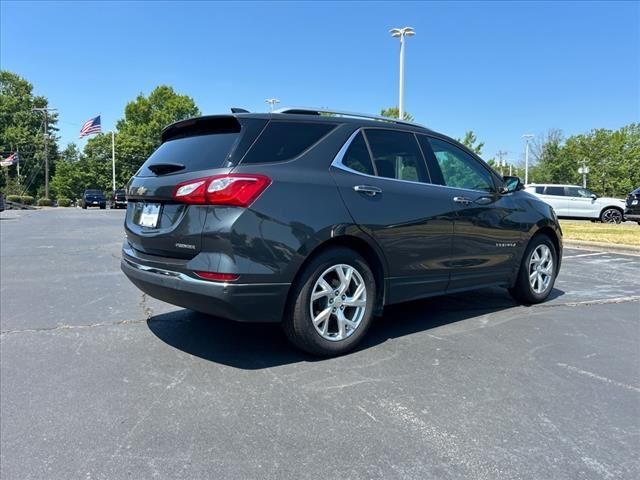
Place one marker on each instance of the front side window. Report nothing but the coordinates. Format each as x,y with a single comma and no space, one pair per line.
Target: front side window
396,155
283,141
556,191
459,169
579,192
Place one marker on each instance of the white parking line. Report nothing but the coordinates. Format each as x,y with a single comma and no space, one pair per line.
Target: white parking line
584,255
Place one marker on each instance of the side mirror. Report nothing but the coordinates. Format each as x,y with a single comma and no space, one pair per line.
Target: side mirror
594,196
511,184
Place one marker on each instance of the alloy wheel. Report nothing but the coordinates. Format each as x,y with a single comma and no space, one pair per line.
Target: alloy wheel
611,215
540,269
338,302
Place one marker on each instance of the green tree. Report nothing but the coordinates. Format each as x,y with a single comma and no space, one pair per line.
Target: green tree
22,129
613,159
394,112
470,141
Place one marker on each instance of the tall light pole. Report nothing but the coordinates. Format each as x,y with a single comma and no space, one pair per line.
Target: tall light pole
527,137
272,102
401,33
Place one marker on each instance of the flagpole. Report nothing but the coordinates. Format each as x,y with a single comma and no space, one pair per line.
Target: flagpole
113,159
18,166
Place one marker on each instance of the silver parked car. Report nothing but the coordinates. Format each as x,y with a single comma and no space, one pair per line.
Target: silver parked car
573,201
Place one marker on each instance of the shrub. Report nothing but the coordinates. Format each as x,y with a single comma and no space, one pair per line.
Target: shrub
44,202
27,199
13,198
64,202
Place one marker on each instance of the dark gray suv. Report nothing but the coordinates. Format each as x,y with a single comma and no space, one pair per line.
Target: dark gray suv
320,219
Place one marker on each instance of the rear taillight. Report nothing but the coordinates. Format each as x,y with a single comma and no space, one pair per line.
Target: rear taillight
234,189
217,277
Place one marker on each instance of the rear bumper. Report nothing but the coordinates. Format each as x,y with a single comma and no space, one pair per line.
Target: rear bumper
259,302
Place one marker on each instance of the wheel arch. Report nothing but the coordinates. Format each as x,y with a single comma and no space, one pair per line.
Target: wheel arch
550,232
608,207
371,254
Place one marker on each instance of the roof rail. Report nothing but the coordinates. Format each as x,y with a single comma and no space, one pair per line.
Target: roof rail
340,113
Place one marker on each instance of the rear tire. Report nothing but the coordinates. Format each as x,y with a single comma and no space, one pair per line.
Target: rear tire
331,304
538,271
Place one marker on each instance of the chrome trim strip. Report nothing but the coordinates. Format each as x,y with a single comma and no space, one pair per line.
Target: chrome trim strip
337,163
187,278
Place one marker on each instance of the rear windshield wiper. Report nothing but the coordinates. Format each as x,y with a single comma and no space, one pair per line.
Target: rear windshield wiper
164,168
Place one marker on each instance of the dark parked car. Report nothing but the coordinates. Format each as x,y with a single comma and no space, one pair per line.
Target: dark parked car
1,202
93,198
319,221
118,199
632,211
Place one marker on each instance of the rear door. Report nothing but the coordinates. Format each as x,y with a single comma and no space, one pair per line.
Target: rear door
556,196
384,183
155,224
487,224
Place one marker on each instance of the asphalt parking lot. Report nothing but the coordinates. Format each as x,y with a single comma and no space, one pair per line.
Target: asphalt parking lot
99,382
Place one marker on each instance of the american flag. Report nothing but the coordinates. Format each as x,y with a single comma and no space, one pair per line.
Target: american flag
90,127
10,160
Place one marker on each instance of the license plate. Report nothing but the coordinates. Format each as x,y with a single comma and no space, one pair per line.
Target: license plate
149,215
634,202
95,203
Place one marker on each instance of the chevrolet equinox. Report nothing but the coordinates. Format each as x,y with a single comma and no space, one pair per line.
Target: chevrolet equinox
319,219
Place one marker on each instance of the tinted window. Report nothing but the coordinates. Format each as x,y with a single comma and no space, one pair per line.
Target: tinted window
196,153
459,169
282,141
539,189
357,156
558,191
396,155
579,192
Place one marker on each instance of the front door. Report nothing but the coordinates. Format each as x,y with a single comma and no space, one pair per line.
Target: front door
487,231
581,203
383,181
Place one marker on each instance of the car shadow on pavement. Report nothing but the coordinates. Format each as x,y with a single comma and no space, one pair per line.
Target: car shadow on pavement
254,346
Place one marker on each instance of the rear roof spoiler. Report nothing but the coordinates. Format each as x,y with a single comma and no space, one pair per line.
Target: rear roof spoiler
201,126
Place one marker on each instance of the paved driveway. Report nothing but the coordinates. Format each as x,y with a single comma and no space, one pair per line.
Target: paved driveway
98,381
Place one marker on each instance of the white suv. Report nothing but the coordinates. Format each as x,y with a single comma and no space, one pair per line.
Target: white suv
573,201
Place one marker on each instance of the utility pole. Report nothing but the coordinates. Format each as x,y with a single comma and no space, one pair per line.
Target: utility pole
501,162
46,146
527,137
584,170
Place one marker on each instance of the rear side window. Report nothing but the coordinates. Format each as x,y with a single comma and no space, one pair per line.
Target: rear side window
201,152
557,191
283,141
357,156
396,155
539,190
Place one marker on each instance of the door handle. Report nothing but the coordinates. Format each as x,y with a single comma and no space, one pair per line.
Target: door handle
367,189
463,200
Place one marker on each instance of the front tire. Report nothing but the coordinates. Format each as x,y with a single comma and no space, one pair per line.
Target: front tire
537,273
331,304
611,215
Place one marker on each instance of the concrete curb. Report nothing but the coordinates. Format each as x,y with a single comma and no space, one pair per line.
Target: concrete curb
607,247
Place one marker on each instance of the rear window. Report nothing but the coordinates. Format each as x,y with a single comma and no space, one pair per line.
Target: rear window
200,152
93,192
557,191
283,141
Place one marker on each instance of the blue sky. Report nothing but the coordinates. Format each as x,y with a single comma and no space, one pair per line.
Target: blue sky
501,69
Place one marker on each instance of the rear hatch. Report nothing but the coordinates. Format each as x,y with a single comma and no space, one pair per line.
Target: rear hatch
94,197
155,223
